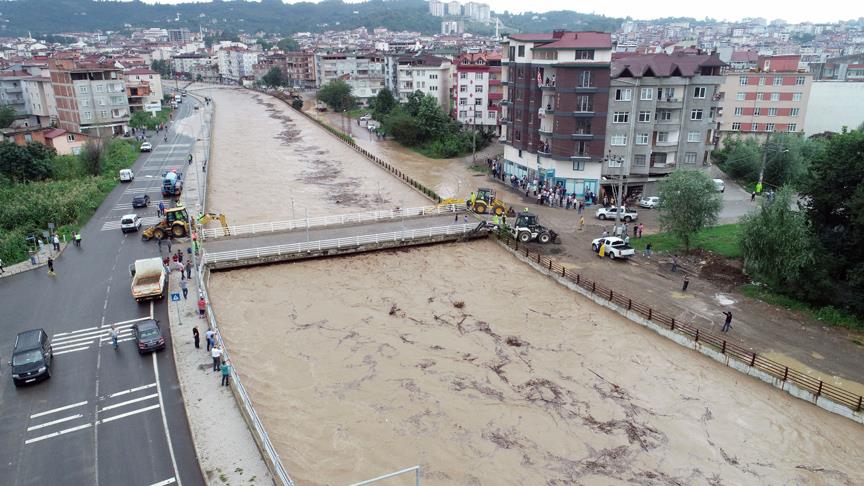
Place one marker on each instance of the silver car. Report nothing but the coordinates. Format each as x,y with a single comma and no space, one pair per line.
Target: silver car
649,202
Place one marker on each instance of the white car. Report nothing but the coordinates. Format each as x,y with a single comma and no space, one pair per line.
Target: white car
649,202
126,175
366,117
614,247
719,185
146,147
130,222
610,212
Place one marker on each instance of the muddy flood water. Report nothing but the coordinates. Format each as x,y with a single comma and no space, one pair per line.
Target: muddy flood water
482,371
265,155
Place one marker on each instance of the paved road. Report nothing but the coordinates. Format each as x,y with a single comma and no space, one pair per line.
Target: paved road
105,417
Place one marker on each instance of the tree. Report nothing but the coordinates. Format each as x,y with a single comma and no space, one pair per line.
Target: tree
265,46
28,163
91,156
777,243
287,44
7,116
689,203
337,95
383,103
740,158
404,128
786,159
161,67
274,78
199,78
297,104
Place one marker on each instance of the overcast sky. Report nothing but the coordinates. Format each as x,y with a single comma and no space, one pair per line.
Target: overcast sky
794,11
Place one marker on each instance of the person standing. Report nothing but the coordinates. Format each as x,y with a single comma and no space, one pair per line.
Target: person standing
202,307
51,266
226,373
56,241
197,337
581,223
674,263
169,244
209,337
686,284
184,287
456,218
114,336
641,228
647,252
161,209
216,354
188,269
752,196
159,243
728,324
180,256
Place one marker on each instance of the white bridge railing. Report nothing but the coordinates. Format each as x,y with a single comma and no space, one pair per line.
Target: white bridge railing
353,241
336,219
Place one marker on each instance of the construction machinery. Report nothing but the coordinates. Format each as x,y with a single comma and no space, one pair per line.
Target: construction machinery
174,224
483,200
172,183
528,228
205,218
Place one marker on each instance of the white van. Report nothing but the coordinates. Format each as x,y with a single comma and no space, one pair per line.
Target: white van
130,222
126,175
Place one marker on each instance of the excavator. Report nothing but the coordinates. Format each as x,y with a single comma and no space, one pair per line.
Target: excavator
176,224
484,200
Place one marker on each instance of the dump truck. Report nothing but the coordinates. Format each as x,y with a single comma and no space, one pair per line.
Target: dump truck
172,183
149,280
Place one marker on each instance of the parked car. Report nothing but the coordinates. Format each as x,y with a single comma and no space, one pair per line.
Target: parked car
649,202
126,175
32,357
148,336
146,147
141,201
615,247
610,212
719,185
366,117
130,222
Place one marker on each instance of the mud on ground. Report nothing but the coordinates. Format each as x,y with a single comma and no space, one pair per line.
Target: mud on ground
462,360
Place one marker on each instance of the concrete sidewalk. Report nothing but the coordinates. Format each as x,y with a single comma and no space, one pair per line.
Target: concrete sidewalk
41,260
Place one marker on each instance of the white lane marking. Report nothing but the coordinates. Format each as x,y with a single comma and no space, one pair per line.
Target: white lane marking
131,390
71,350
164,418
55,434
72,345
79,331
60,409
55,422
164,483
127,402
139,319
123,415
151,309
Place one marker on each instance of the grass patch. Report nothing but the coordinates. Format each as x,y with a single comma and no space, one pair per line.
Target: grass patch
829,314
722,240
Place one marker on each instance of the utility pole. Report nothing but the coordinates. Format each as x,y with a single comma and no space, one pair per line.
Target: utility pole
764,159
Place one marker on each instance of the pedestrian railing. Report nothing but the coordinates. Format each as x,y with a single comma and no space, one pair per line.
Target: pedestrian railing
817,388
332,220
350,242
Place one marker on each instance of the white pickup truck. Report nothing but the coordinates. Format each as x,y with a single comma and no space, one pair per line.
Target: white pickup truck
614,247
627,215
149,279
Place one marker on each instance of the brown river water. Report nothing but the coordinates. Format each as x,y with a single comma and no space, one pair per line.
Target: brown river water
465,361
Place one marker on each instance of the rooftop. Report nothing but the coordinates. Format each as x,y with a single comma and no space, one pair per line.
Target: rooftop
663,65
567,40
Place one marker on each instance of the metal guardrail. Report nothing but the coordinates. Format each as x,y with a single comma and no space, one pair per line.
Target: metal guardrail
352,241
332,220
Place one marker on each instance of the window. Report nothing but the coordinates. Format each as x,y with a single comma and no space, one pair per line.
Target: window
582,149
772,111
584,103
478,89
583,126
639,160
103,113
690,157
662,136
693,137
664,115
478,101
621,117
769,127
83,89
754,127
518,136
668,94
585,79
521,51
641,139
757,111
431,88
796,96
778,80
742,80
116,100
761,80
799,80
585,55
615,163
775,96
579,165
101,101
28,137
740,96
696,114
619,140
463,75
463,101
88,115
736,126
85,103
491,115
794,111
100,88
463,114
435,76
699,92
463,89
792,127
623,94
760,96
644,116
646,94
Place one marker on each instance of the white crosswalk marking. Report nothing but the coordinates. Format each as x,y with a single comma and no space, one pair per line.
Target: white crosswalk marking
115,225
54,422
165,483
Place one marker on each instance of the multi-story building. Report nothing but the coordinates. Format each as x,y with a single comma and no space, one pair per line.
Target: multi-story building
143,86
478,12
556,88
661,116
300,66
428,74
846,68
771,98
187,63
236,63
91,97
179,35
363,72
12,91
477,92
834,105
454,8
436,8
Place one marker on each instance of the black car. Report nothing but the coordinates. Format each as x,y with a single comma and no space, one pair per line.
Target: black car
141,201
148,336
32,357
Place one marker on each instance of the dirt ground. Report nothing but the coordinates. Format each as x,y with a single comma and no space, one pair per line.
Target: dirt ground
283,165
482,371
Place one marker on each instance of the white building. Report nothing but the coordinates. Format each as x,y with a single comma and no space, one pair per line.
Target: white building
236,63
187,63
834,105
427,74
454,8
436,8
363,72
143,86
478,12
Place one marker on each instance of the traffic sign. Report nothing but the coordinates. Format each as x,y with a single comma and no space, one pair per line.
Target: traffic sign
175,296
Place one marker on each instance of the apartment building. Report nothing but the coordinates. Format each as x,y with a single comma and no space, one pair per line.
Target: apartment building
477,93
300,67
363,72
556,89
771,98
187,63
143,86
236,63
436,8
91,97
661,116
846,68
428,74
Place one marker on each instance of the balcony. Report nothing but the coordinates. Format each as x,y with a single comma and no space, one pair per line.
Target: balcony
666,147
581,136
584,156
545,130
669,103
548,111
548,86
